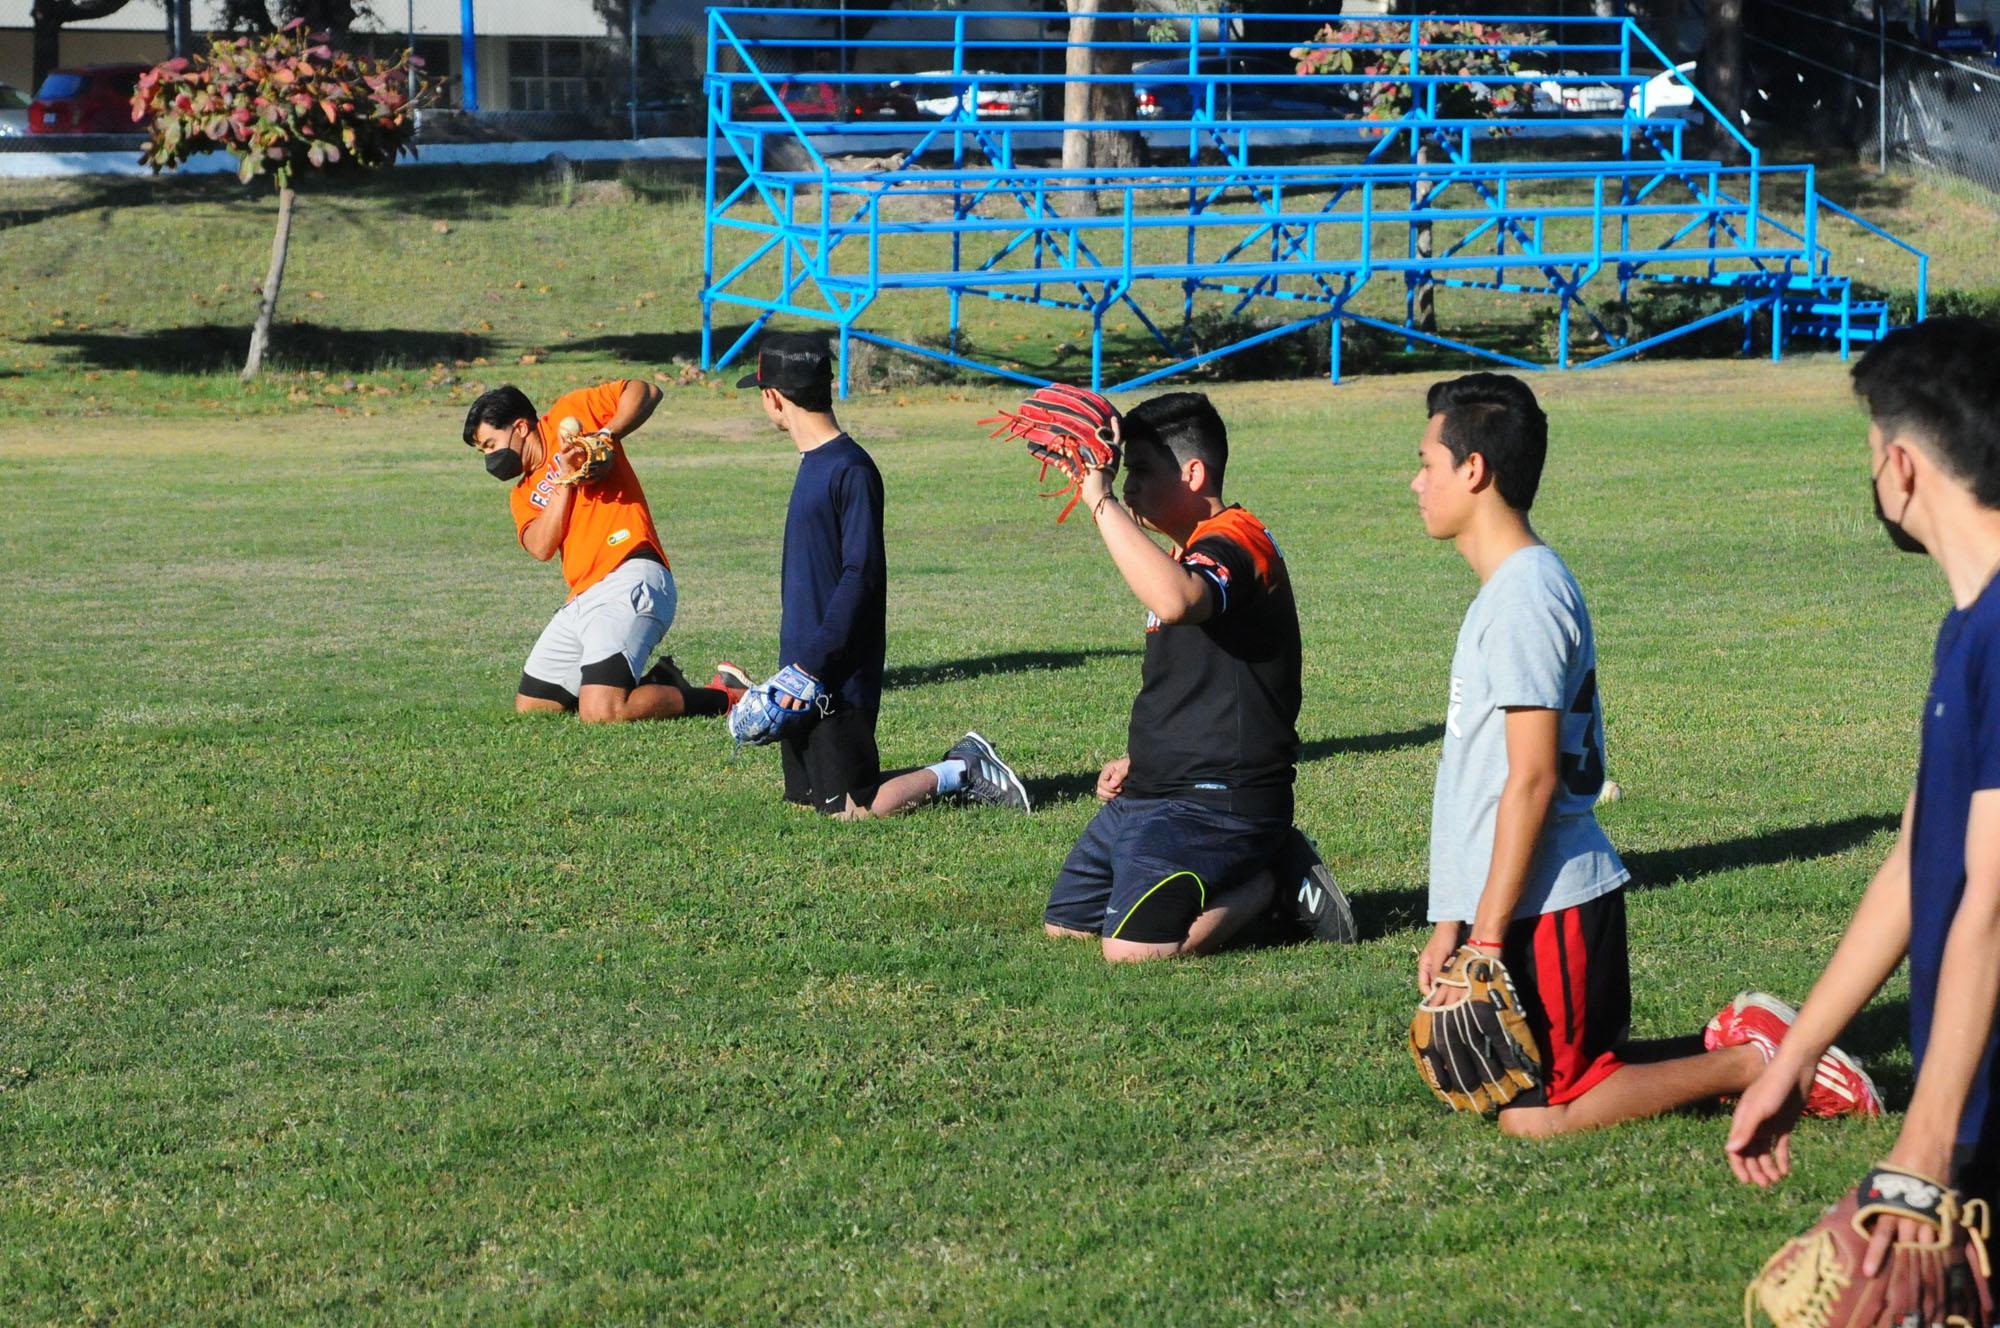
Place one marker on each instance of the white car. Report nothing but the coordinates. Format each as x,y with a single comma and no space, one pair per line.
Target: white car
1664,96
1552,97
13,113
938,92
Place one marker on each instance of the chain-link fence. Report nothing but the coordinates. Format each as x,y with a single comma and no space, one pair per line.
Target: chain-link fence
1860,78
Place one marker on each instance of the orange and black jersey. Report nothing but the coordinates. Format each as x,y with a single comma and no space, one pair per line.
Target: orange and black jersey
1216,713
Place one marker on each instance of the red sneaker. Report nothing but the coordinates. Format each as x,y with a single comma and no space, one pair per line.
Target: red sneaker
728,678
1840,1086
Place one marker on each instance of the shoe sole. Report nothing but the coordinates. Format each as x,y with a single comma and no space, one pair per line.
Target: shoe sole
986,750
734,676
1756,1000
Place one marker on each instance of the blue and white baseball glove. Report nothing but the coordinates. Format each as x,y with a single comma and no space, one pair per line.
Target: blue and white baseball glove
759,718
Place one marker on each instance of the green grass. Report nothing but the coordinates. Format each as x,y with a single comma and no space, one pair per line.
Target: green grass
337,993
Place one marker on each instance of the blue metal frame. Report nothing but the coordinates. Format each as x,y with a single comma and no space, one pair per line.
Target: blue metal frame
816,236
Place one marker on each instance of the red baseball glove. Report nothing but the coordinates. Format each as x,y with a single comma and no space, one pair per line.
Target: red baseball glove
1815,1279
1071,428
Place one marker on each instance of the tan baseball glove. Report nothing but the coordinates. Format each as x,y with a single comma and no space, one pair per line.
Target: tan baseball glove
598,450
1477,1054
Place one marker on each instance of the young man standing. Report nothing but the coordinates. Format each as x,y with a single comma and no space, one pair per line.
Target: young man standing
835,594
621,595
1520,870
1197,814
1933,399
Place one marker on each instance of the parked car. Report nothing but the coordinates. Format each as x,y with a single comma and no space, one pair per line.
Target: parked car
1551,97
817,99
1663,95
1240,90
92,99
937,92
804,98
13,112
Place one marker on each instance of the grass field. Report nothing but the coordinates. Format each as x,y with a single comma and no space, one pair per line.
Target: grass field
339,994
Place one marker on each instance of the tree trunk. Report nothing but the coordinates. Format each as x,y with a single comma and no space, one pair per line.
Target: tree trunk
1076,95
260,336
1721,71
1088,102
48,47
49,16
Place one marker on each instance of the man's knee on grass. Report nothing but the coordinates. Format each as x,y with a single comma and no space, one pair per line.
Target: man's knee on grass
536,697
1534,1122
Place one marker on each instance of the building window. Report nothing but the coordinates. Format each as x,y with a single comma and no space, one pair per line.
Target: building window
553,75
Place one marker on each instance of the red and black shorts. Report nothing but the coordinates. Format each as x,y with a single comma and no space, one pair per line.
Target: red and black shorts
1572,973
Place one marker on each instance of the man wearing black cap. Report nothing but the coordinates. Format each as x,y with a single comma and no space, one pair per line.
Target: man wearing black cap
835,605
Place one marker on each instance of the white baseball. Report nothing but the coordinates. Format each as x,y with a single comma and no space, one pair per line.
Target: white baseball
1610,792
569,428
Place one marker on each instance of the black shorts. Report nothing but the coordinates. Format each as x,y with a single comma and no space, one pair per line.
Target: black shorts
1574,978
833,760
1145,868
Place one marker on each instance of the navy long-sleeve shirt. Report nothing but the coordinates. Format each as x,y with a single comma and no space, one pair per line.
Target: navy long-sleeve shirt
836,573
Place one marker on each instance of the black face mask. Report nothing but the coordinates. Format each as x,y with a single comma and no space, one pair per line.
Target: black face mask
505,464
1901,538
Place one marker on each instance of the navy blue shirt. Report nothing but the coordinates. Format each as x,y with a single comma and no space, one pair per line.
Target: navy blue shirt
836,575
1961,756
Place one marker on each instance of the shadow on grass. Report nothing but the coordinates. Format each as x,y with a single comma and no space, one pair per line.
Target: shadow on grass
210,347
1880,1029
1318,749
1663,867
1046,789
1379,912
661,347
1014,661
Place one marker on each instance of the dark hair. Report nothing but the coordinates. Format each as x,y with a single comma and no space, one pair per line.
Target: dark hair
499,408
1184,424
1495,415
1940,380
815,397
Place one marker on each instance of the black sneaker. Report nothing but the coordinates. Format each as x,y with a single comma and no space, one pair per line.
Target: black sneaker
1307,896
665,673
989,781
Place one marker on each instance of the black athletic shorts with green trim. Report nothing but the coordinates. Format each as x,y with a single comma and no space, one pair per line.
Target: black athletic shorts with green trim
1145,868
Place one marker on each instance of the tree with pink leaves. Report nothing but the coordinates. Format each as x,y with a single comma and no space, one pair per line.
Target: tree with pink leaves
284,105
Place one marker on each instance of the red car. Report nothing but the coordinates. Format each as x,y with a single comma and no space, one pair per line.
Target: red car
94,99
806,98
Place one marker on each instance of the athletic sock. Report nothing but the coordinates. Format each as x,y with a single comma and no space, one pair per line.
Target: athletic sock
701,702
950,775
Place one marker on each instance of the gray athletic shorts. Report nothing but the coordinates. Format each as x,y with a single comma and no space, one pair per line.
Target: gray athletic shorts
624,614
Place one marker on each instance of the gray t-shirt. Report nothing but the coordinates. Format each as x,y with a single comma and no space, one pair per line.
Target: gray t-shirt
1525,642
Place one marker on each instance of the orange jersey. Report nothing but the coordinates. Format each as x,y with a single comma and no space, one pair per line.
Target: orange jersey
608,518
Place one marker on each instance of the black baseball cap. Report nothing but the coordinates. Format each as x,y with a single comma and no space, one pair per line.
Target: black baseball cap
791,362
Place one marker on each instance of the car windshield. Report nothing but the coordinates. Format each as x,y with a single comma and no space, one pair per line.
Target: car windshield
60,85
10,100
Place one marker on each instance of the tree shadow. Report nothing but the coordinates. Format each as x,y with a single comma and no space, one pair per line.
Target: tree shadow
1320,748
210,347
661,347
1015,661
1658,868
85,194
